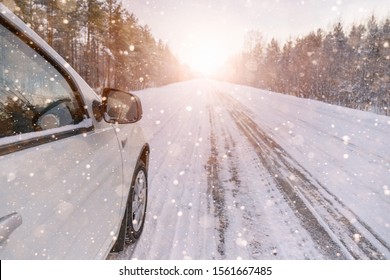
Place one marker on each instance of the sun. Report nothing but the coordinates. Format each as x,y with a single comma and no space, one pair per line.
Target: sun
205,57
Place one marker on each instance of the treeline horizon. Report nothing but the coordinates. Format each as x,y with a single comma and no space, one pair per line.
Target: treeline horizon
107,46
350,69
103,42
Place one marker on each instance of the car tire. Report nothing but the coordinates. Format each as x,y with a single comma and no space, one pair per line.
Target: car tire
134,218
136,205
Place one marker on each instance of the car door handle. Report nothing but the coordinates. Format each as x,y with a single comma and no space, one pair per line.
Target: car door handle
8,224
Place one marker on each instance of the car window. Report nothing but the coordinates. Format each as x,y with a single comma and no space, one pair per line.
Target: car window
34,95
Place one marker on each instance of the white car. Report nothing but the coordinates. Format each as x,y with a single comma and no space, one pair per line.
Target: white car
73,165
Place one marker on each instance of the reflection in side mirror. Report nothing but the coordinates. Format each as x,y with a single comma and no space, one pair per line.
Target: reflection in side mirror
120,107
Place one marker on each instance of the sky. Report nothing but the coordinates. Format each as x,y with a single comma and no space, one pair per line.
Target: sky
204,33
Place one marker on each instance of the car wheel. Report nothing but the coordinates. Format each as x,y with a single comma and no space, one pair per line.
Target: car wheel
134,218
136,205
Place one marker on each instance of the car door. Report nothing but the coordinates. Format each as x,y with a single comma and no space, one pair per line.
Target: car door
60,170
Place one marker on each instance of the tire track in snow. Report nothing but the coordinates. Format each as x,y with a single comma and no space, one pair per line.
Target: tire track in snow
332,232
215,190
249,206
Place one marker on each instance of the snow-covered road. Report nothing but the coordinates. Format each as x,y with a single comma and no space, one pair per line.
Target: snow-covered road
241,173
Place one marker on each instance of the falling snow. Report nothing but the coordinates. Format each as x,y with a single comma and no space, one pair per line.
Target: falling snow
221,181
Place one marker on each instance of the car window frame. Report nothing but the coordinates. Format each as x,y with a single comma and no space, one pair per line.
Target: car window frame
16,143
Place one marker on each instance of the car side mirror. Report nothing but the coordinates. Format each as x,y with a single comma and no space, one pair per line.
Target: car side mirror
120,107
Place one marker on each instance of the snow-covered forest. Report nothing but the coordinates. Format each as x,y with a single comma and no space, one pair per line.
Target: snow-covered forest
347,66
103,42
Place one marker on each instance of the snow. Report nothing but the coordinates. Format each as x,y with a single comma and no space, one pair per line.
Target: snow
242,173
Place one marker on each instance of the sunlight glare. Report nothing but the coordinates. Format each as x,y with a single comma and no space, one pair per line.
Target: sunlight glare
205,57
